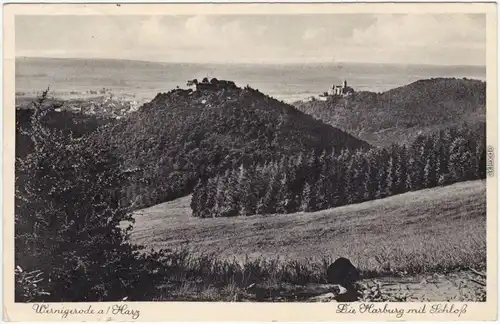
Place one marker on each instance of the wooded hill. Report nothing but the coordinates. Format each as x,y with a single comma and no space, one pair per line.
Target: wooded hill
183,135
310,182
401,114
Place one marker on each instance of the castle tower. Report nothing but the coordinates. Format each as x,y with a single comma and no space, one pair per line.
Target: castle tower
344,85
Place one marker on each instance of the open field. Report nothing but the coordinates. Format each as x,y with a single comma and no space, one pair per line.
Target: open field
418,246
436,229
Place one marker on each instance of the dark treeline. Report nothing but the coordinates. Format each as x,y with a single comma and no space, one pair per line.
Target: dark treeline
309,181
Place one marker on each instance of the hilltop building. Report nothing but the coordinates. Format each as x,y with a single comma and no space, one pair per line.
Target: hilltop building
337,91
213,84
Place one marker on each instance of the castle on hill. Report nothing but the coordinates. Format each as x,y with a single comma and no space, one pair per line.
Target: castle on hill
339,90
342,90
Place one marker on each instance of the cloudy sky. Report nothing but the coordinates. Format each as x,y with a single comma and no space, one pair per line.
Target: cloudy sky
446,39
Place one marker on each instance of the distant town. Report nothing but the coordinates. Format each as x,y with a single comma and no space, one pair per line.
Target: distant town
94,102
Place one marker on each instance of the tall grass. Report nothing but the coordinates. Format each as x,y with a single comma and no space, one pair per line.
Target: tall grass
183,265
201,276
427,254
411,235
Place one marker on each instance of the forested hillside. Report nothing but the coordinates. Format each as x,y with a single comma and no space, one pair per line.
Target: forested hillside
308,182
185,135
401,114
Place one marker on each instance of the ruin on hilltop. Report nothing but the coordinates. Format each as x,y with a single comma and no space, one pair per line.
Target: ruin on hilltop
212,85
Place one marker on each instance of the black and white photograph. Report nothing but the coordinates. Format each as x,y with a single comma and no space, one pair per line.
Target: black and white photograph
251,157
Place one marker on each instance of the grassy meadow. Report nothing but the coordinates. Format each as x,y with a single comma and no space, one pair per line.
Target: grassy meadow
436,230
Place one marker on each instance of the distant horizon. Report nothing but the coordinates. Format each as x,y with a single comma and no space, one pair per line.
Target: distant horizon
294,63
285,81
444,39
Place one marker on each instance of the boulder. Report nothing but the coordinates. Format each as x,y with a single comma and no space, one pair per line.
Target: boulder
342,272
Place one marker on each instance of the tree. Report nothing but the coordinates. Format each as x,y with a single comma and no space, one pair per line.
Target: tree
211,189
232,193
248,198
199,199
430,170
459,159
68,216
260,208
305,205
219,196
370,184
481,153
225,194
359,175
428,179
343,182
350,181
284,196
401,170
271,197
382,176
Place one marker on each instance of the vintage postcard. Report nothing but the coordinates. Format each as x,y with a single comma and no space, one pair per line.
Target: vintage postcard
250,162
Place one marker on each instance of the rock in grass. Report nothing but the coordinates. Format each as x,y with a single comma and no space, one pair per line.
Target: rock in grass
342,272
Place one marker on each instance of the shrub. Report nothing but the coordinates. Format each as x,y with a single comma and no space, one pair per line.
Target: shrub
67,218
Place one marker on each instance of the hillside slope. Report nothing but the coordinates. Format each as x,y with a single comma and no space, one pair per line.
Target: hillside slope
400,114
443,226
418,246
183,135
66,121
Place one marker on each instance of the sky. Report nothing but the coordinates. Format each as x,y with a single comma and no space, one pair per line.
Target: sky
440,39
